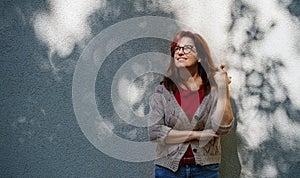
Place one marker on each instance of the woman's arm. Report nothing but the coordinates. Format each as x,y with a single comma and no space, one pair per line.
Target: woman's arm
223,94
181,136
222,117
157,129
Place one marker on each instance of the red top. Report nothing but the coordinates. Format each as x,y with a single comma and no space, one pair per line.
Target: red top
189,102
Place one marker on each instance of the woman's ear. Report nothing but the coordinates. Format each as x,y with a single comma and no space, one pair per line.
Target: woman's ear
199,59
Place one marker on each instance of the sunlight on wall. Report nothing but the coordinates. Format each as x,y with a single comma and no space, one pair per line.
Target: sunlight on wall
208,18
65,25
258,40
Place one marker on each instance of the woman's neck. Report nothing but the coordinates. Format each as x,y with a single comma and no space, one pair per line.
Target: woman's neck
190,78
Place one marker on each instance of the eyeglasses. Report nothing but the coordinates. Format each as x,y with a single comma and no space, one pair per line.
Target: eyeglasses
186,49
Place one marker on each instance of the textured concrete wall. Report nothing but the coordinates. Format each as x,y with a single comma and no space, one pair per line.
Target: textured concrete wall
41,43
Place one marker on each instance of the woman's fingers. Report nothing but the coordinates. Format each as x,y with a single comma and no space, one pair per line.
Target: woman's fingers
207,134
222,66
228,78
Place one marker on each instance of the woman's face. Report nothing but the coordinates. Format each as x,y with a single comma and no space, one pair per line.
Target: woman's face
185,53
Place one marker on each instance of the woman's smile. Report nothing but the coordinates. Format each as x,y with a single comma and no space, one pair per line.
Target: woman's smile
182,59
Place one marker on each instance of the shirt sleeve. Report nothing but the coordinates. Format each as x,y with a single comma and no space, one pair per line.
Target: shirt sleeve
157,128
222,129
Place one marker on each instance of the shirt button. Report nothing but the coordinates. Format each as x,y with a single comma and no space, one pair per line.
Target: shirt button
195,150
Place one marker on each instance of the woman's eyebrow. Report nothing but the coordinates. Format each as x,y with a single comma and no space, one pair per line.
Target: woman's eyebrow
184,45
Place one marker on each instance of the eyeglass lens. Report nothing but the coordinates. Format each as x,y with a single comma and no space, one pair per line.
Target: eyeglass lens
186,49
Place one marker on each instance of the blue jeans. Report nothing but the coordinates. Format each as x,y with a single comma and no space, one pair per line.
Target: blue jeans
189,171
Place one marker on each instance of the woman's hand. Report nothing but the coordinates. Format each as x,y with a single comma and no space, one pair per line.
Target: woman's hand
207,134
181,136
221,77
223,112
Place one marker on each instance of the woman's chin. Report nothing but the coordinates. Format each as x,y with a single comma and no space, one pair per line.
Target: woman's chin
180,64
183,65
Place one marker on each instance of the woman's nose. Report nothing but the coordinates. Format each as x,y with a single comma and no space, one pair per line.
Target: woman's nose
180,51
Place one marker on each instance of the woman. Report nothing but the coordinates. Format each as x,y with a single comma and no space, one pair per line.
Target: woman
190,110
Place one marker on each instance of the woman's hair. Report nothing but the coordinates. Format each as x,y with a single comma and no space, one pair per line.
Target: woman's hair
206,69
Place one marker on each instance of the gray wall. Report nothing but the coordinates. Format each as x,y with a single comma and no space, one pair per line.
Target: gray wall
40,136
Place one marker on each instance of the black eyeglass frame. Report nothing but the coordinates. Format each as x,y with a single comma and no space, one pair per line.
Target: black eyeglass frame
186,49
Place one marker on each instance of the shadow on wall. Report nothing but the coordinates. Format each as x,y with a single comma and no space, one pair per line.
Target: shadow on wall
41,137
268,115
144,84
230,163
265,136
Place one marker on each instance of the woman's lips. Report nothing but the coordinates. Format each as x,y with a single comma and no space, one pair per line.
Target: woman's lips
181,59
